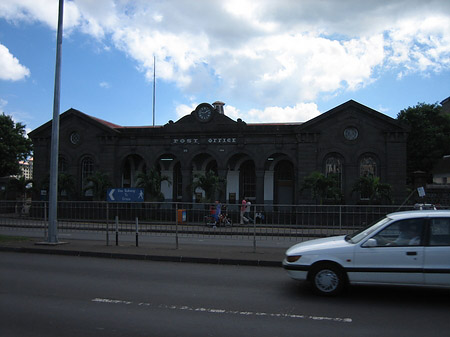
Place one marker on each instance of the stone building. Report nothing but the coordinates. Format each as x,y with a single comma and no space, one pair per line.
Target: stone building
263,162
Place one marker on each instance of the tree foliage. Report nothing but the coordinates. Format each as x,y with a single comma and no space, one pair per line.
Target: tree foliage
19,187
429,137
14,145
323,187
373,190
66,185
98,183
210,183
151,181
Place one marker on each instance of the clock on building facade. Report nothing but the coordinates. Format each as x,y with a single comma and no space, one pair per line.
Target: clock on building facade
204,112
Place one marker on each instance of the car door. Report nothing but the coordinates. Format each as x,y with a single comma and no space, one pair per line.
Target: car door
437,253
390,258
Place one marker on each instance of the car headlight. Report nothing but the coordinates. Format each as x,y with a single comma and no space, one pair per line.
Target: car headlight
293,258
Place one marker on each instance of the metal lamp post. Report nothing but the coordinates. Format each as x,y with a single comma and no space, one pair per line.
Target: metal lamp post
53,197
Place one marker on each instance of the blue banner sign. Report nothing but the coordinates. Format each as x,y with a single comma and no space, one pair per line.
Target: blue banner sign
125,195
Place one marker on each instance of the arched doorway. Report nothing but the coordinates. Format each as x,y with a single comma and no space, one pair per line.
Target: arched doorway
247,180
177,183
284,183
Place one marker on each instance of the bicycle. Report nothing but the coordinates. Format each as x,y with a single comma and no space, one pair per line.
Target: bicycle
224,221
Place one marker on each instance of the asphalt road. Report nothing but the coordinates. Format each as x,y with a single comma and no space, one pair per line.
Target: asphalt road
42,295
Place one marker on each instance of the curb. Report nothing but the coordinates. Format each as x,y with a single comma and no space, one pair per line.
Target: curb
160,258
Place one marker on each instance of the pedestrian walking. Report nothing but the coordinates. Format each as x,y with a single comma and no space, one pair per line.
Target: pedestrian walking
243,207
247,216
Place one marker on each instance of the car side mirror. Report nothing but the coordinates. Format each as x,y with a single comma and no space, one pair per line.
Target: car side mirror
370,243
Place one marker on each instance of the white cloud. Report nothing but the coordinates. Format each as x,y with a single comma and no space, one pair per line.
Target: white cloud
10,67
301,112
104,85
183,109
420,45
45,11
269,53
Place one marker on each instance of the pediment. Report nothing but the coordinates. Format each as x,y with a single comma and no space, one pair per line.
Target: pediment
351,113
192,122
71,118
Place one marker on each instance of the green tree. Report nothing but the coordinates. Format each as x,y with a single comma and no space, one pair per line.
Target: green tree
323,187
210,183
66,185
151,181
373,190
429,137
98,183
19,187
14,146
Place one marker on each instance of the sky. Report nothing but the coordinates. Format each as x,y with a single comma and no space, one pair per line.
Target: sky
268,61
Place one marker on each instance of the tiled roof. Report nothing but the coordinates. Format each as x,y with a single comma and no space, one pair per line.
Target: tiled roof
108,124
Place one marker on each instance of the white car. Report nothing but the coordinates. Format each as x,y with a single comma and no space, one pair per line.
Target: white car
404,248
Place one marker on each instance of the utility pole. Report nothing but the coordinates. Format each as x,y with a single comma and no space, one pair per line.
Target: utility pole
53,197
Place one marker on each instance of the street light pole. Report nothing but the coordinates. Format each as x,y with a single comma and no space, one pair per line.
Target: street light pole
53,198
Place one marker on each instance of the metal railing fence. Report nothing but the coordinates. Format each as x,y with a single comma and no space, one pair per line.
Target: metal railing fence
271,222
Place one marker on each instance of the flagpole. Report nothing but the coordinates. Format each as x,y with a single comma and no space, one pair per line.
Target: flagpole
53,190
154,86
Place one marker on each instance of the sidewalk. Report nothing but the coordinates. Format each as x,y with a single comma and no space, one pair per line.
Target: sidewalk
244,254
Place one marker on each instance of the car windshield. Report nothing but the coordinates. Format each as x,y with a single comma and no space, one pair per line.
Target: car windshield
361,234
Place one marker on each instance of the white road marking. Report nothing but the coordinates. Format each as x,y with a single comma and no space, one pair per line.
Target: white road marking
223,311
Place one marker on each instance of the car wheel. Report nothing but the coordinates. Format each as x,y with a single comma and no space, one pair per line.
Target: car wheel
327,279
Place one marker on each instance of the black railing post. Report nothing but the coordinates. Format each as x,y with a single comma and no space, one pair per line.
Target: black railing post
107,224
117,230
137,232
176,225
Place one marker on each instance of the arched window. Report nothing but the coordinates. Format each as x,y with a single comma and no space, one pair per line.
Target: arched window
87,169
333,166
368,167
